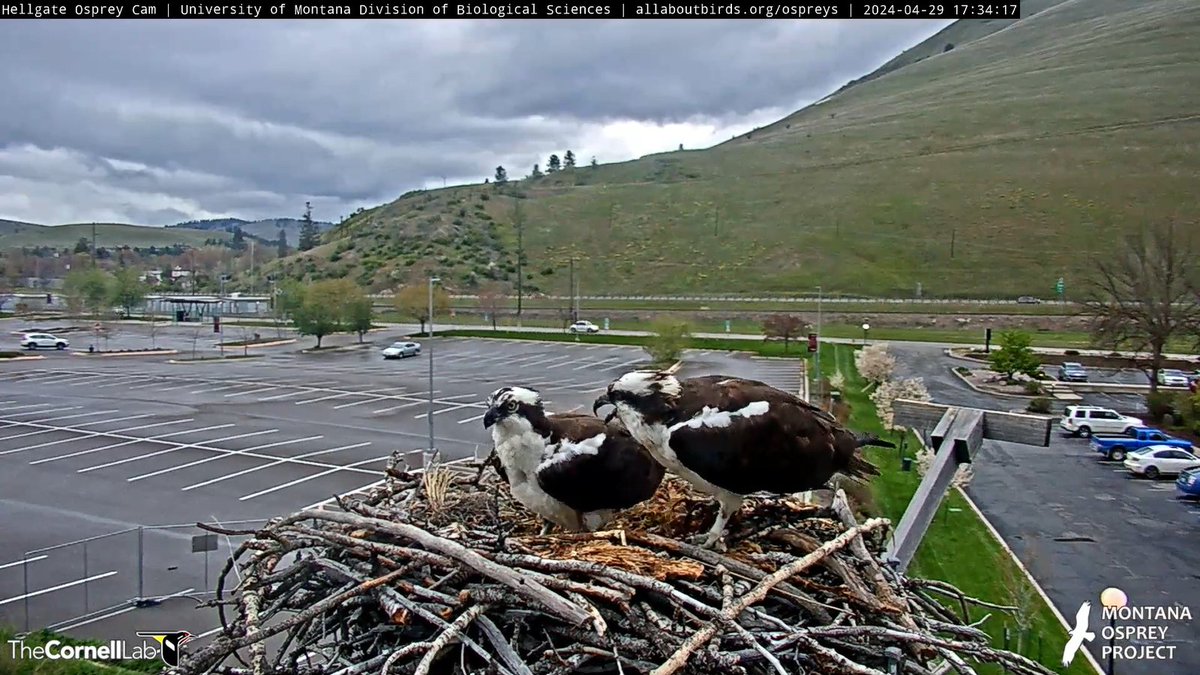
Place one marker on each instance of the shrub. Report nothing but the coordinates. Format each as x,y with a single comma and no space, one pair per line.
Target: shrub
1040,404
1034,388
1071,352
670,337
1160,404
1188,407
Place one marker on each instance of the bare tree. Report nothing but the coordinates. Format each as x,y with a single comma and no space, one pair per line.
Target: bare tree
491,301
1147,294
783,326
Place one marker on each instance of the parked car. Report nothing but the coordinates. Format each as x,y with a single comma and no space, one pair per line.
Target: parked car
1071,371
1085,420
583,327
1188,483
399,350
44,341
1172,378
1028,300
1161,460
1116,447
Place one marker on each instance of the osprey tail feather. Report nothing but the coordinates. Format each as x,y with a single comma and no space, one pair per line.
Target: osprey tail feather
872,439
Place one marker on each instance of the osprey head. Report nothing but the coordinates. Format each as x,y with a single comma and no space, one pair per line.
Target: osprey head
508,401
646,391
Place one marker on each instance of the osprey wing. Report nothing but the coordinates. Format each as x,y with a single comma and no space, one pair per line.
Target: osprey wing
594,466
746,436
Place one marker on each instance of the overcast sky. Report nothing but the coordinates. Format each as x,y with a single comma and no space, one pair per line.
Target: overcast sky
154,122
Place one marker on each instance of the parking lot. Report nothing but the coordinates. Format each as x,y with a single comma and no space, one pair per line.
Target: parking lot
1078,522
91,446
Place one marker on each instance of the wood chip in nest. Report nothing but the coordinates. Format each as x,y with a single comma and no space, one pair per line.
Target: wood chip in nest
630,558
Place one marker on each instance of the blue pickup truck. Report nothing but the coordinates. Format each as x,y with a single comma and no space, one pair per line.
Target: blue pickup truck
1117,446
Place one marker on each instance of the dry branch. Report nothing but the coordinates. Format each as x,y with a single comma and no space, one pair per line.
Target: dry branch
445,573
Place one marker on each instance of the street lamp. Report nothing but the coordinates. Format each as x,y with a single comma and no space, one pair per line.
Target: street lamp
429,349
817,356
1114,599
866,327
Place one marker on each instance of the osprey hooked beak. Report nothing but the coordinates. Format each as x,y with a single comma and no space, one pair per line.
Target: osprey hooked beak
490,417
600,402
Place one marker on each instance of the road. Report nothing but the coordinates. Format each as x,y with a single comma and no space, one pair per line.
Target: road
1080,524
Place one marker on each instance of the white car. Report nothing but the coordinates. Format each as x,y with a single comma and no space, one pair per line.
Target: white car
1161,460
1172,378
583,327
1085,420
44,341
399,350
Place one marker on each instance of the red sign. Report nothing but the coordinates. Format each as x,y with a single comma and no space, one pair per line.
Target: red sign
216,324
812,342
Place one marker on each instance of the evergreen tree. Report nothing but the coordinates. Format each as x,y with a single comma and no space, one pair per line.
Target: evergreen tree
281,245
569,160
501,176
537,173
594,163
309,237
553,165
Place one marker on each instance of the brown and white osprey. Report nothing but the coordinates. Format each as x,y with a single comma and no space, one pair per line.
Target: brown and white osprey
574,470
730,437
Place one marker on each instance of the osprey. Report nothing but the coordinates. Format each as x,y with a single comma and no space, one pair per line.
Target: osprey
574,470
730,437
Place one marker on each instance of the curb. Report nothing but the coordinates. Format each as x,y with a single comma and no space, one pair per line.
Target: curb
327,350
22,358
257,344
214,359
154,352
949,351
992,393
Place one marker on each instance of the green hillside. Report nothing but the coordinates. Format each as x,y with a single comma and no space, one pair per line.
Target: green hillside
15,234
988,170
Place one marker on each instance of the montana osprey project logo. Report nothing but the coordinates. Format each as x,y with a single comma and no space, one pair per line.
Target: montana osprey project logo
1078,634
171,643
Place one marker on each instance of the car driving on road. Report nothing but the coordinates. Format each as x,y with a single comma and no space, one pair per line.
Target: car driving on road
399,350
583,327
43,341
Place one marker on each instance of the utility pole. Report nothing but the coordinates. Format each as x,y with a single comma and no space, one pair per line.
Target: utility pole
520,223
952,233
252,279
571,289
429,349
93,244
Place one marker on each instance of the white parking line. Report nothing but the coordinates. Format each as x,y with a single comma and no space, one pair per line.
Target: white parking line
597,364
287,395
77,426
331,396
472,419
439,411
209,390
277,462
398,407
252,391
82,380
175,446
86,435
42,412
58,587
81,453
228,453
119,380
376,394
312,477
26,561
22,407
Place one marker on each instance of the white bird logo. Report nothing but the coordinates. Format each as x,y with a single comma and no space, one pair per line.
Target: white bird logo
1078,634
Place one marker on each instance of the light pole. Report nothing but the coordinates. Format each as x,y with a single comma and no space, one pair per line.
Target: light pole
817,357
429,349
1113,599
866,327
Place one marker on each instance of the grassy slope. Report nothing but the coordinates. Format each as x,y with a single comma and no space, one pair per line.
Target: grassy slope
1039,142
107,235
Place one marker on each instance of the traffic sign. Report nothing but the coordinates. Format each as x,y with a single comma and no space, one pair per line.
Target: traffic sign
1060,286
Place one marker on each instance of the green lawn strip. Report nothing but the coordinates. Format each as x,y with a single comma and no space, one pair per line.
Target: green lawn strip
593,306
29,666
958,548
794,350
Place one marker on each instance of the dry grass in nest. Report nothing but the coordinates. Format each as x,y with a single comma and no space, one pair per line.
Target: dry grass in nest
629,558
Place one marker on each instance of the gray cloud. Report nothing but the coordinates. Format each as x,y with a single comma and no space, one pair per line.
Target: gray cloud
156,121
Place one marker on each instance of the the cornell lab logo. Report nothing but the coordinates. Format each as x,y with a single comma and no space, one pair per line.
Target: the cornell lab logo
171,643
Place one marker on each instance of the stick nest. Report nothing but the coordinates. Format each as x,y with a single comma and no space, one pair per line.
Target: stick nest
443,572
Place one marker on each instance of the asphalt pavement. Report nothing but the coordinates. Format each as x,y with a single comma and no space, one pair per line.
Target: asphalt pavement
1080,524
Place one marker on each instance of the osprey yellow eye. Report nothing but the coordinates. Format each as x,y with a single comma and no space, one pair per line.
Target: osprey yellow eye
511,405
